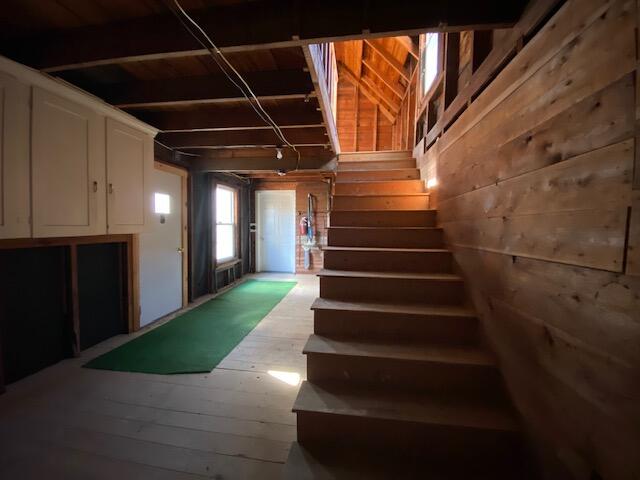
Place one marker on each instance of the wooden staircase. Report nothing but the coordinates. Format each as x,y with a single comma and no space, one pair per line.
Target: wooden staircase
399,385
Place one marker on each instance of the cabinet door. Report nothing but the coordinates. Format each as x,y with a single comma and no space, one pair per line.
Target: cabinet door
14,159
68,168
129,167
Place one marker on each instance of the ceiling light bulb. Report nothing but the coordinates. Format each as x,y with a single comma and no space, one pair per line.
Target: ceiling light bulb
279,153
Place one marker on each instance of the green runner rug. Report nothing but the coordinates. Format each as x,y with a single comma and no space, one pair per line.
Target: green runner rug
199,339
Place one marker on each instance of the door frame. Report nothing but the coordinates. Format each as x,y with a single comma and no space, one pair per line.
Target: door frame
184,216
292,194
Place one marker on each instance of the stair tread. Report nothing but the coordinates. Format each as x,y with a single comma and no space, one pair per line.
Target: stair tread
378,160
466,411
384,228
386,249
435,353
358,182
408,194
397,275
399,212
398,308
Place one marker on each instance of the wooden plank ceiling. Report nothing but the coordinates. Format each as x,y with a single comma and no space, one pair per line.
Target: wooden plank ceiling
136,55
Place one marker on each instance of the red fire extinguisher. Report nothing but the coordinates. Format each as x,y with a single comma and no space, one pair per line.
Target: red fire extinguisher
304,225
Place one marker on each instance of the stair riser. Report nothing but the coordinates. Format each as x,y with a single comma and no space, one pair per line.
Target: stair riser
369,188
447,330
375,156
418,376
376,165
428,442
383,219
385,238
423,291
378,175
381,202
387,261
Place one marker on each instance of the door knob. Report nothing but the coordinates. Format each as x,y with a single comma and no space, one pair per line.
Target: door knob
180,250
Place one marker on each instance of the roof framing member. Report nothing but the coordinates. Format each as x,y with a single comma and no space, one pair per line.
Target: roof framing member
395,64
265,24
367,92
397,89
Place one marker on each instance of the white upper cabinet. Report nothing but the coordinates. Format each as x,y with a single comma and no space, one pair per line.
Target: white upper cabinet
14,159
68,168
70,164
129,166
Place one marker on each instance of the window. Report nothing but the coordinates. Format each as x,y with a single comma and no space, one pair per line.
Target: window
225,223
429,61
162,203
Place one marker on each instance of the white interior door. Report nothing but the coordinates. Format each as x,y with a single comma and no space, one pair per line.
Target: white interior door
160,250
276,230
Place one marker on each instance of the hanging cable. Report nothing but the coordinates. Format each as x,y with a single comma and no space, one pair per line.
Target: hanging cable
215,52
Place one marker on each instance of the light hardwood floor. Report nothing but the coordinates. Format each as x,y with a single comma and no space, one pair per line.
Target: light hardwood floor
68,422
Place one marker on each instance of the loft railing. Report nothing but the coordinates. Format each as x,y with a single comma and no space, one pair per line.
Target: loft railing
321,60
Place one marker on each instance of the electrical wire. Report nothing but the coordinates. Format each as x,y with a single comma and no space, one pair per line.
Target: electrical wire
215,52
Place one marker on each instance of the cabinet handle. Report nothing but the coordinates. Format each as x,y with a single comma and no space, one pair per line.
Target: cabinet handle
95,186
111,188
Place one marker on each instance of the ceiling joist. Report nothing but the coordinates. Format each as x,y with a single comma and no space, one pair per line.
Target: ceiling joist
289,113
297,136
254,25
275,85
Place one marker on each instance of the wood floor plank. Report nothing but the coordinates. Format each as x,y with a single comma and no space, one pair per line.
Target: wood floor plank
233,422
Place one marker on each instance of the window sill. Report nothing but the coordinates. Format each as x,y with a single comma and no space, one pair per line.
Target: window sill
226,264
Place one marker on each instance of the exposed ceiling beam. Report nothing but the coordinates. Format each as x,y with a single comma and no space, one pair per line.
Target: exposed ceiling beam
315,160
242,116
204,89
257,24
213,101
394,63
242,137
348,74
397,89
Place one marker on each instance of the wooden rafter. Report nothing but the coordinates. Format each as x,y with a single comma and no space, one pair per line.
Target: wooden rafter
393,63
364,88
397,89
390,101
408,44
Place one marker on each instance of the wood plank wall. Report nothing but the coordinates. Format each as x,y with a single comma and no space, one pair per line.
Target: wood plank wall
361,127
538,201
320,191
